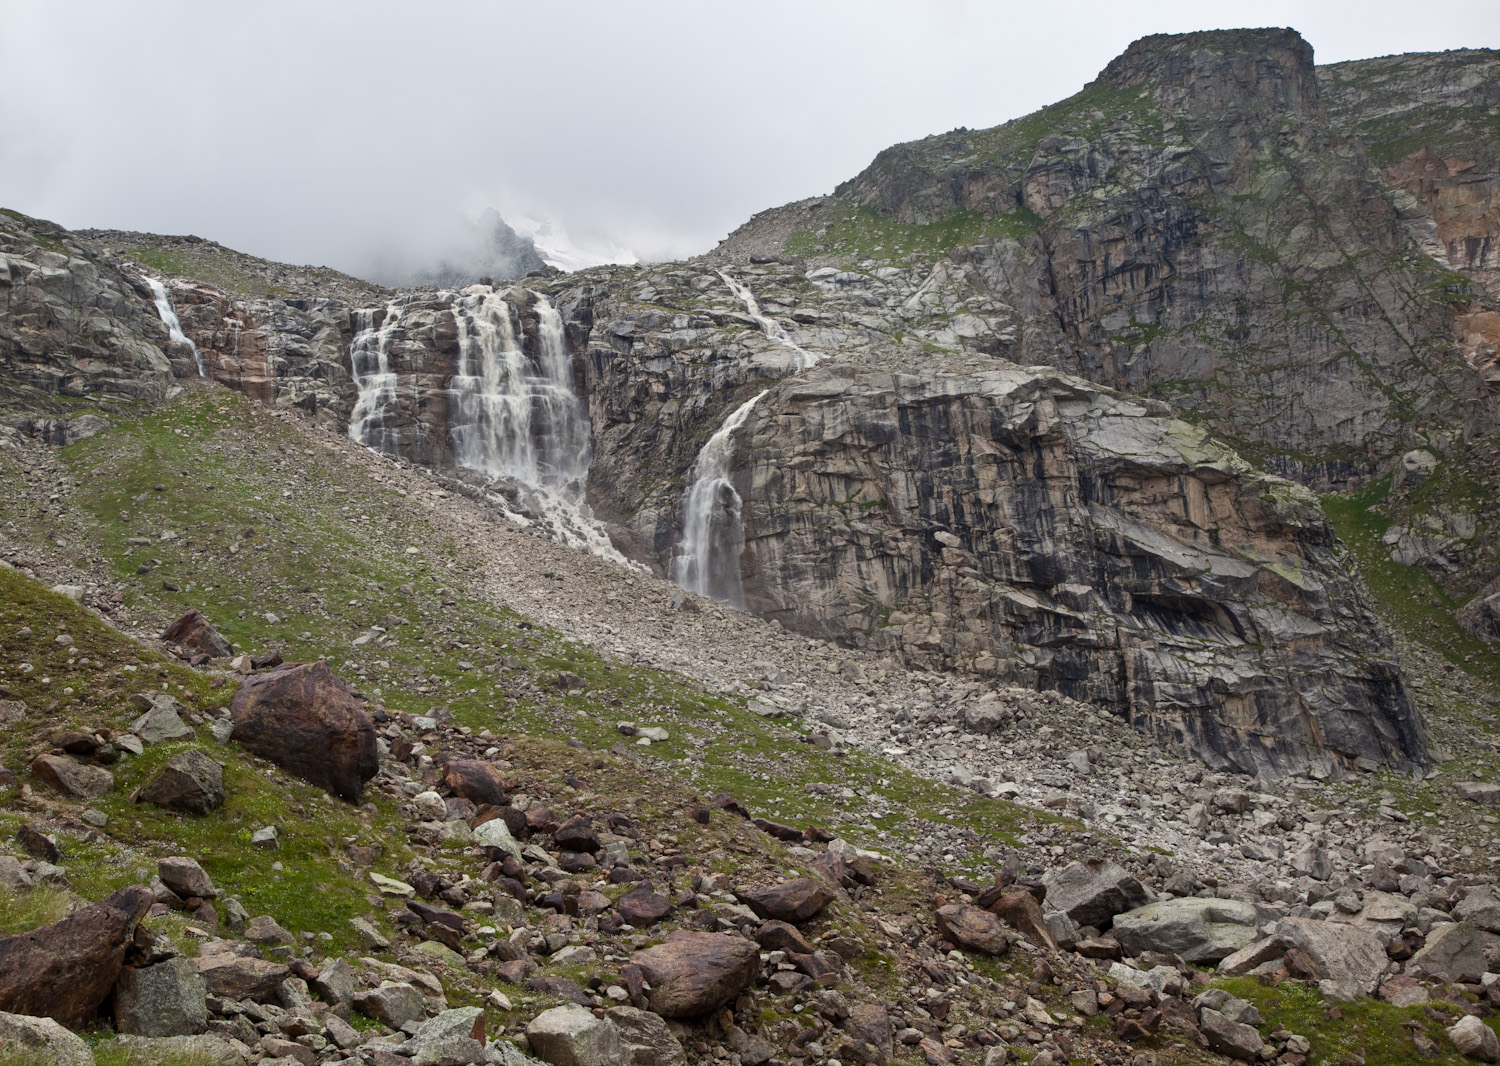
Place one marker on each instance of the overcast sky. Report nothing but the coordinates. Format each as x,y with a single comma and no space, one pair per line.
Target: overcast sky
344,132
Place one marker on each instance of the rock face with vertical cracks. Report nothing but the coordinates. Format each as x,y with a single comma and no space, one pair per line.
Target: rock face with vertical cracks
1039,529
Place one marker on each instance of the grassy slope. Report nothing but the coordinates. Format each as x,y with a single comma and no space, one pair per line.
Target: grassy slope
330,560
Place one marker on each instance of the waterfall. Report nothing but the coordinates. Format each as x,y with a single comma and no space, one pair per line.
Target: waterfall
516,415
801,358
370,364
170,319
713,529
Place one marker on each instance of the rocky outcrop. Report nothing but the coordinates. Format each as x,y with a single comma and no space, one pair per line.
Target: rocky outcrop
1187,214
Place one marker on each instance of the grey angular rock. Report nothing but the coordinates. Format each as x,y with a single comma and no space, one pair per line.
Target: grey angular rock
72,777
1234,1039
191,782
42,1041
1093,892
572,1036
1480,908
1197,930
1349,961
185,877
167,999
1454,949
335,982
162,721
646,1037
393,1004
447,1039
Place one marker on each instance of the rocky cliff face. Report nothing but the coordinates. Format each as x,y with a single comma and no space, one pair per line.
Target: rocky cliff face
1193,225
962,481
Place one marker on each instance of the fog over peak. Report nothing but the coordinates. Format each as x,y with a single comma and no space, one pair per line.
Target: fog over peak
371,136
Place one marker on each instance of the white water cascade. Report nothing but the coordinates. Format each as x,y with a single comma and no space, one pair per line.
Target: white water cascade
370,361
515,416
713,529
801,357
172,322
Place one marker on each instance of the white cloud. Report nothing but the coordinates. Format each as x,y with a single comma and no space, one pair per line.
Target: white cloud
350,133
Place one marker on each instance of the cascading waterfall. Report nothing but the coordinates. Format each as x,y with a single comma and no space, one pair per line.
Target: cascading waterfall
172,322
801,358
515,416
370,361
713,529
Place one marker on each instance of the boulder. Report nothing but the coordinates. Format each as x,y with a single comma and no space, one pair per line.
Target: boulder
496,834
193,632
646,1037
185,877
577,834
793,901
162,720
191,782
870,1036
1454,949
449,1039
572,1036
1196,930
1230,1038
974,928
71,777
694,973
478,782
41,1041
393,1004
1253,956
1479,792
782,936
1480,908
1475,1040
167,999
263,929
1018,908
1093,892
65,970
307,721
643,907
334,983
1348,961
241,976
1402,990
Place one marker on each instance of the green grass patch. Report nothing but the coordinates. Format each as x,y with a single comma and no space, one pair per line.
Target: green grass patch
1378,1033
863,234
1408,595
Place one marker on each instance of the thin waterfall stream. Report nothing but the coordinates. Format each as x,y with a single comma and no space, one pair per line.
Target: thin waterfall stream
713,528
171,321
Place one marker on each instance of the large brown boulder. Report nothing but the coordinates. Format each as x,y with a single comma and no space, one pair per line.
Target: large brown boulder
307,721
973,928
193,632
794,901
66,970
478,782
692,973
